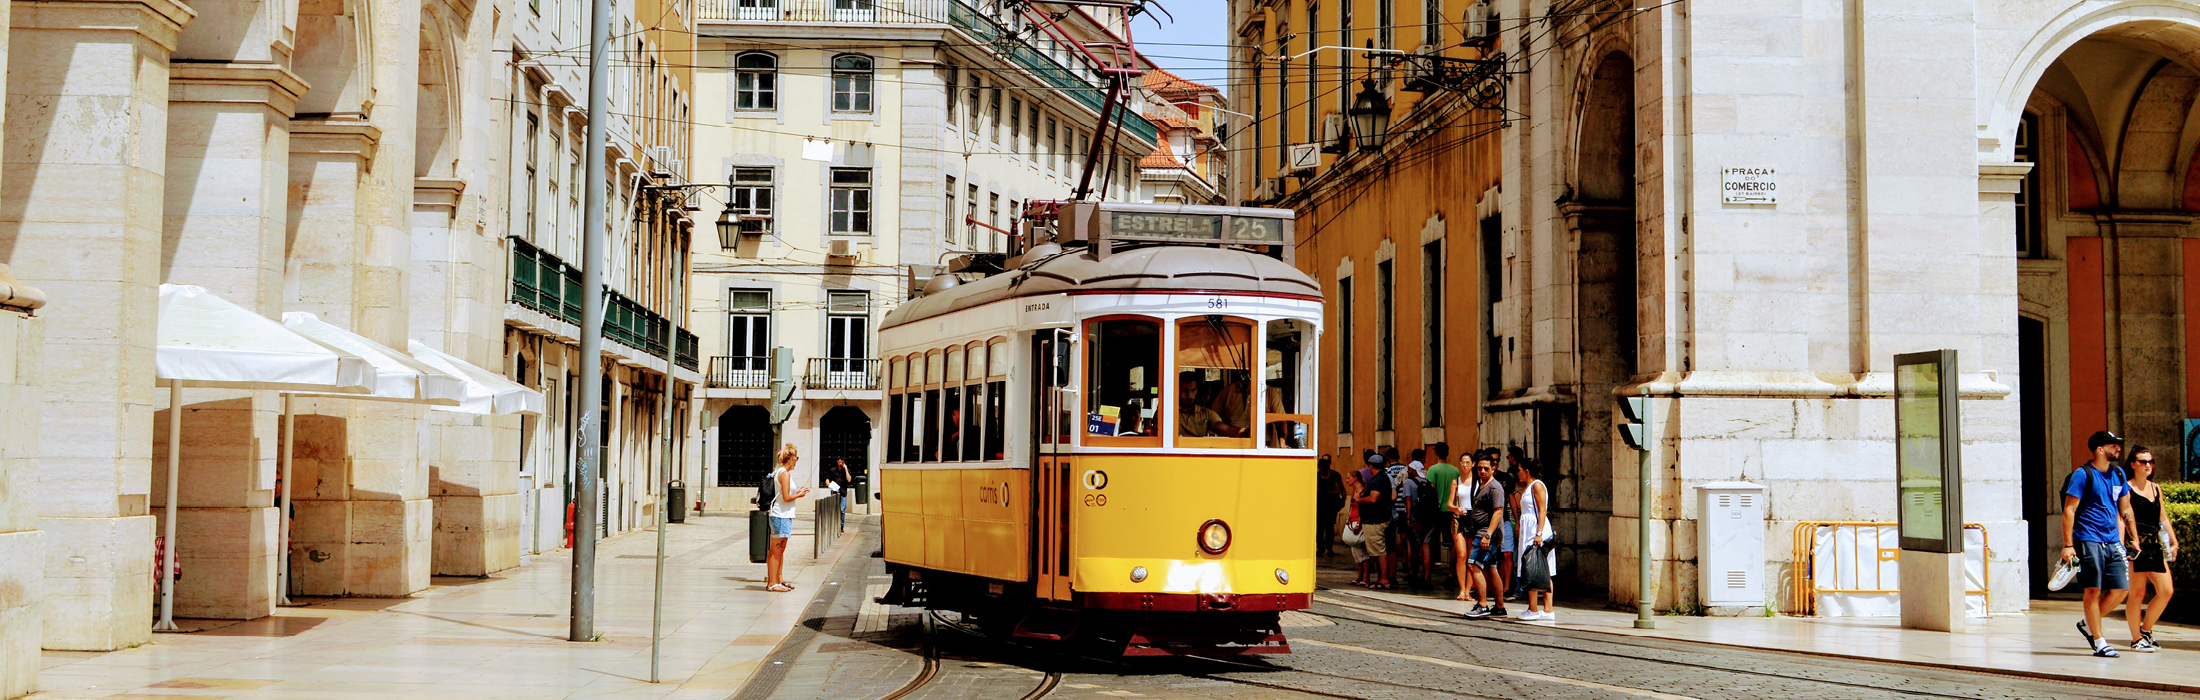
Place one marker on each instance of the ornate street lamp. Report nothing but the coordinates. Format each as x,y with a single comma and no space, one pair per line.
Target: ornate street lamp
1370,115
729,229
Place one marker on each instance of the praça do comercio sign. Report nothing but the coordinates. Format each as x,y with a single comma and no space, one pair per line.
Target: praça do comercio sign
1748,186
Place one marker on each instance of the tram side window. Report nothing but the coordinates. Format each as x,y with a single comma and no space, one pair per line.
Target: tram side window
1288,389
1123,377
912,447
897,379
996,402
932,377
973,402
1214,381
953,423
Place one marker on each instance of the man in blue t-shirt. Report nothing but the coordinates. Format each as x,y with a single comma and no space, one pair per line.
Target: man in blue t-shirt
2096,514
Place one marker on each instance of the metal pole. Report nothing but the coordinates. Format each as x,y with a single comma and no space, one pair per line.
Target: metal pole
591,361
282,514
1643,618
168,542
672,351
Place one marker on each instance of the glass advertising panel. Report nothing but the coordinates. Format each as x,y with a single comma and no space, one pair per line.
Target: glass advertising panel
1928,459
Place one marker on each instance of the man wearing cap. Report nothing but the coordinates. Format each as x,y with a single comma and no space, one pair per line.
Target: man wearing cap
2096,514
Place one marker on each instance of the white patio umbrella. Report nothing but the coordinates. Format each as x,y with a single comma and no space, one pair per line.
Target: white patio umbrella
487,393
398,378
202,340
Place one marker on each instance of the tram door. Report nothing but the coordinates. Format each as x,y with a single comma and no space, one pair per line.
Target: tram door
1052,473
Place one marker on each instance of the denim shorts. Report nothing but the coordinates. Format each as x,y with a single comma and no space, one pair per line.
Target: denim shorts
1484,554
782,528
2105,567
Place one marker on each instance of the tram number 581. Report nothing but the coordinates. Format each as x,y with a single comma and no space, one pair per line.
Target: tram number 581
1218,303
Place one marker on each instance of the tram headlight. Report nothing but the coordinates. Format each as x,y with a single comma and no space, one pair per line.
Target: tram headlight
1283,577
1214,537
1138,574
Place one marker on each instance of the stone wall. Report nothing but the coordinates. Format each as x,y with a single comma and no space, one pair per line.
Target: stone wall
22,549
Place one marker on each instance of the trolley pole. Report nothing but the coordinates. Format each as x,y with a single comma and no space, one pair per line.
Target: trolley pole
1643,618
592,253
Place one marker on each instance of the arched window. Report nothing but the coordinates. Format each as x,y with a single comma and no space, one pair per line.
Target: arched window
756,81
851,83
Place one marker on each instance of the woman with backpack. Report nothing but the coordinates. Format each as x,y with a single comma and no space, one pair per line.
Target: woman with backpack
781,510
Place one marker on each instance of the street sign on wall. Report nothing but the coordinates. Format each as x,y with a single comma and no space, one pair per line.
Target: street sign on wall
1748,186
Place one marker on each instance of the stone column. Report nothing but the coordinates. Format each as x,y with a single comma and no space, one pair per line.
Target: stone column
88,97
473,461
22,546
228,165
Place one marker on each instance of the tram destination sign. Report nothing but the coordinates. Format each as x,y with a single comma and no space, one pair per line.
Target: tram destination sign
1100,222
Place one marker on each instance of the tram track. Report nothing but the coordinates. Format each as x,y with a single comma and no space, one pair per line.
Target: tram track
933,670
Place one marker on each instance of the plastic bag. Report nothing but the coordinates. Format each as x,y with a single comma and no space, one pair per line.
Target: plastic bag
1535,570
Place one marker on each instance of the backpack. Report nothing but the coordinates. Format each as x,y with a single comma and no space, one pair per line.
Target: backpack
767,491
1425,510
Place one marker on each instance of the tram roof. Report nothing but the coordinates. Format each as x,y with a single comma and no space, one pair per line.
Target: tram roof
1143,268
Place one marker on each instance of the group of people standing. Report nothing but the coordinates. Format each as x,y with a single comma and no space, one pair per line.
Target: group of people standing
1404,513
2115,530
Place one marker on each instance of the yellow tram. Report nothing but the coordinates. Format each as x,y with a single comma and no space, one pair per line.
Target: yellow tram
1111,435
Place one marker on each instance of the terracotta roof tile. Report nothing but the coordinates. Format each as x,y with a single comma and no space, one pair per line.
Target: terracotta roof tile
1167,83
1160,158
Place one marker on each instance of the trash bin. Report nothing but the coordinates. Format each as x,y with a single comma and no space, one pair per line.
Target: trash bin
676,502
760,536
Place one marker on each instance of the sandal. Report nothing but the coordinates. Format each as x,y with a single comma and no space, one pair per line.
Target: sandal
780,588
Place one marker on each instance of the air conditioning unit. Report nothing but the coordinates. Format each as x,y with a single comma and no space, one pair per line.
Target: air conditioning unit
660,154
679,168
1480,24
842,248
1334,135
1421,70
1268,189
754,224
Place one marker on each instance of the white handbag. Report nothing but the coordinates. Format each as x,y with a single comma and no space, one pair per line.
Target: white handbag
1352,536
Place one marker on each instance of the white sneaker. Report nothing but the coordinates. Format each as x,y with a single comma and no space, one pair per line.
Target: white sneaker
1532,616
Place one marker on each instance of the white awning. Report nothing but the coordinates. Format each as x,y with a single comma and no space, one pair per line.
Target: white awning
203,341
398,376
486,392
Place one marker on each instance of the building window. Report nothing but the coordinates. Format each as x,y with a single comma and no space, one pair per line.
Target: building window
1493,291
851,83
953,76
756,81
1344,62
1260,124
970,217
847,340
971,93
1386,13
2027,201
1432,23
1344,355
1015,123
1432,331
948,233
851,201
993,105
992,216
1034,124
1313,74
749,335
752,199
1015,216
1054,154
756,10
534,132
1386,333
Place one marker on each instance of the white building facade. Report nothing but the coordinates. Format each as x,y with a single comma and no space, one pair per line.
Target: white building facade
857,144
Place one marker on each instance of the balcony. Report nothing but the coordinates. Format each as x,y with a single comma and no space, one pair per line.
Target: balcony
842,374
854,11
957,13
739,373
542,282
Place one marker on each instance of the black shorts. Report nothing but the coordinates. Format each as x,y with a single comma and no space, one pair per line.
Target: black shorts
2151,559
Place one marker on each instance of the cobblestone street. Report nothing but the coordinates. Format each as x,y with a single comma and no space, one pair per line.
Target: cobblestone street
850,648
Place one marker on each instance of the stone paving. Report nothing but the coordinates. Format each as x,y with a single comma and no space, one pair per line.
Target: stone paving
497,637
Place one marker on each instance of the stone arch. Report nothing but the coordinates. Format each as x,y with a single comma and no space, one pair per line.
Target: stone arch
334,55
2169,29
435,136
2147,167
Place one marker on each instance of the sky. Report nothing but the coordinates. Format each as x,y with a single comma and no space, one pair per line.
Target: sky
1201,22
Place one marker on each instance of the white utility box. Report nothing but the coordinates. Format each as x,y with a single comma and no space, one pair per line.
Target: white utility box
1730,546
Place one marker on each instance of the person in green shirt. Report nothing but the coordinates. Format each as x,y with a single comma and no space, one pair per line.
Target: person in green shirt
1441,475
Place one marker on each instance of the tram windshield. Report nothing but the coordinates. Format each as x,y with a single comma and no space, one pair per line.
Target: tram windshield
1214,361
1123,375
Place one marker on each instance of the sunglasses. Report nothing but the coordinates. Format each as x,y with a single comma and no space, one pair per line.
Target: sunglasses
2142,461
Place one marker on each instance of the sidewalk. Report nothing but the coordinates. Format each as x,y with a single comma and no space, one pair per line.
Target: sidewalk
496,637
2042,644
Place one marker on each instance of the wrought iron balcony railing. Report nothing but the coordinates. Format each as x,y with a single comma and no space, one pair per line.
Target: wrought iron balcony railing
542,282
740,373
845,373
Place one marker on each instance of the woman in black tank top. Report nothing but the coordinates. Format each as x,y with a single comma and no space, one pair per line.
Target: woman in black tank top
2157,547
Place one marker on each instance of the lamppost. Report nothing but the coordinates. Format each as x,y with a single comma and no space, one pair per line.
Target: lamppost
1370,116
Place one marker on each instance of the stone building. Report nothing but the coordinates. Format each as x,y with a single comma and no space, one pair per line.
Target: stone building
353,159
857,144
2011,180
1186,167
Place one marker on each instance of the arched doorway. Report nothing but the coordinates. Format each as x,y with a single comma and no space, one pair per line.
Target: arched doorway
2106,227
845,433
1602,213
744,446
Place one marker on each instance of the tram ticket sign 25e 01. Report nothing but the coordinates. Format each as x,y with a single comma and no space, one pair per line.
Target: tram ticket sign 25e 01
1748,186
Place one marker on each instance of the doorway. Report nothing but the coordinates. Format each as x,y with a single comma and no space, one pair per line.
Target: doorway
2041,515
744,446
845,433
